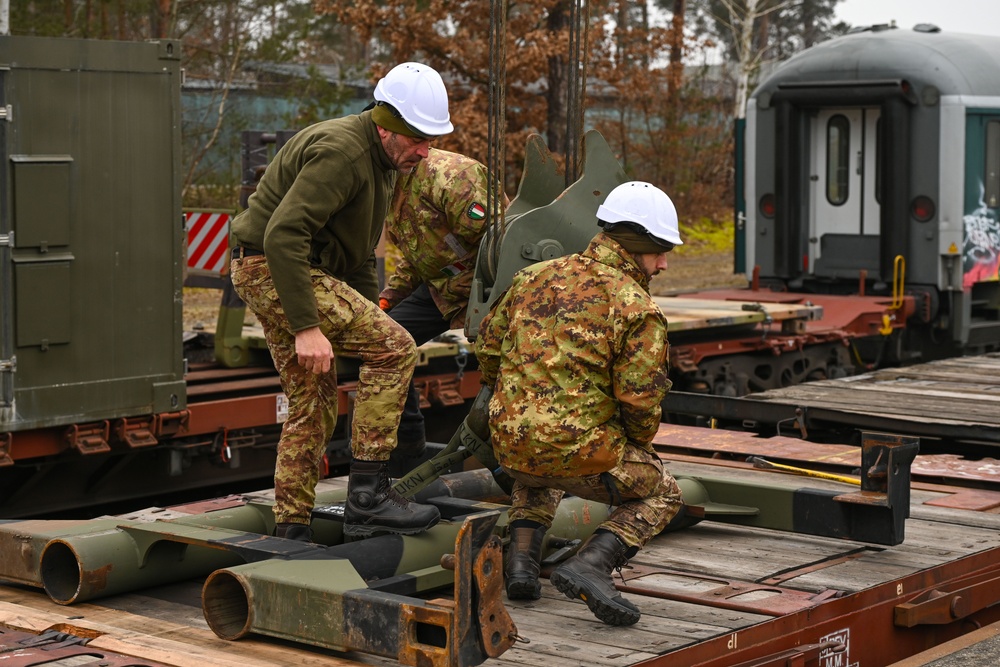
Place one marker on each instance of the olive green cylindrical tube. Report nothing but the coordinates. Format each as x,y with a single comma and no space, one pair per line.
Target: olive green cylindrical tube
75,568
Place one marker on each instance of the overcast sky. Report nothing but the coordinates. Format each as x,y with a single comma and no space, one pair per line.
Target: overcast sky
975,16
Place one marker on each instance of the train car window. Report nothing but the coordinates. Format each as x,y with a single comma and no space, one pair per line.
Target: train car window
878,160
838,139
993,164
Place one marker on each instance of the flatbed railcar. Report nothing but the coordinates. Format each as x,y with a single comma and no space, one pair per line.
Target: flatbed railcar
715,594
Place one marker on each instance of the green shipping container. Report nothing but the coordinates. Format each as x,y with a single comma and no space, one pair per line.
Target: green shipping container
91,231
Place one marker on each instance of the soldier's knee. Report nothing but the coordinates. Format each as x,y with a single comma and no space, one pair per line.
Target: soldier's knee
406,352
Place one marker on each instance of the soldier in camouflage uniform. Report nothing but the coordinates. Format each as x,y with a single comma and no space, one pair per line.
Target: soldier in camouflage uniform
436,219
576,351
304,263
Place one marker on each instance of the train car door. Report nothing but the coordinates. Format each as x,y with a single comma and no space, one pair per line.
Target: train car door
844,183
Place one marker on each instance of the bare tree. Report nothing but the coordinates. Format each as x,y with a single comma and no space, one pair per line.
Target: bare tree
740,19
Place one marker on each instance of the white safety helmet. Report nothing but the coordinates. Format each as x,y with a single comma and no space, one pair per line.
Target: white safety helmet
645,205
417,92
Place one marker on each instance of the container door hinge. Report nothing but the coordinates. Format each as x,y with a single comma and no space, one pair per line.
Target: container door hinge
89,438
7,240
8,365
7,113
136,432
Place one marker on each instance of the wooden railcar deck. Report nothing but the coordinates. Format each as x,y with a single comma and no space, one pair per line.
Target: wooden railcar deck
956,399
705,592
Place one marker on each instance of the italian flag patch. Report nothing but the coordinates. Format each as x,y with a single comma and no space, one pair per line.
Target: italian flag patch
477,211
453,270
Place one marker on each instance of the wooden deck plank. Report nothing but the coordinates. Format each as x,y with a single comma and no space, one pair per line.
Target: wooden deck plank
159,639
166,623
921,392
853,399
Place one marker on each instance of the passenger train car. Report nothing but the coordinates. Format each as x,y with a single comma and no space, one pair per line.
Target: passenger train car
872,166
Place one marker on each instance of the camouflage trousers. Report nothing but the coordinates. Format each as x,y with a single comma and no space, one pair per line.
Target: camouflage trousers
356,327
644,495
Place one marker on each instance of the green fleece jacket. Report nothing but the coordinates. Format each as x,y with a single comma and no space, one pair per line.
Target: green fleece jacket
320,204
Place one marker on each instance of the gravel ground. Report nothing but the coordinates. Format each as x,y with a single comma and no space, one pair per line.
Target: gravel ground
696,270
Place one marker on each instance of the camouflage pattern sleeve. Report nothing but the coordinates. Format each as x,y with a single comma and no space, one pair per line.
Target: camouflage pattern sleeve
464,202
404,278
437,218
490,341
640,378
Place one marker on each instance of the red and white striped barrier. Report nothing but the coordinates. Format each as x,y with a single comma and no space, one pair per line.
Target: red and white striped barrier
207,240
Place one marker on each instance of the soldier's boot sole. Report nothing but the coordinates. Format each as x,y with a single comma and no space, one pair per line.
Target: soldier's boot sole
369,530
578,587
523,588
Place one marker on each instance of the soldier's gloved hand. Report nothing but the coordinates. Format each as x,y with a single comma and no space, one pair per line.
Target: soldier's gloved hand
384,305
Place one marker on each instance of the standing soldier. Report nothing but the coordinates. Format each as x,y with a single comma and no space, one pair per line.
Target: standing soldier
436,219
576,351
304,263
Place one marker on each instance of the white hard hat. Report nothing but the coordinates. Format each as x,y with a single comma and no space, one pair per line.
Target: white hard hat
645,205
417,92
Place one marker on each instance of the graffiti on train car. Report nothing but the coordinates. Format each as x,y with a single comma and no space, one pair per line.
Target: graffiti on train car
981,249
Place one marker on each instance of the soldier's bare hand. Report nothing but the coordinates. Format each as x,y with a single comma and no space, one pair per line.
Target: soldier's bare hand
314,351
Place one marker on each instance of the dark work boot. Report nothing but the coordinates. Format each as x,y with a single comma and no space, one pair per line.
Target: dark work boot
587,576
373,506
524,555
299,532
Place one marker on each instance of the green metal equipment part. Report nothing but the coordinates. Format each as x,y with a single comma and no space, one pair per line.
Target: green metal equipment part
543,221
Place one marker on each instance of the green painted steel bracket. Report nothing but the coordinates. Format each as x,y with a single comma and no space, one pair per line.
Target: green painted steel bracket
876,514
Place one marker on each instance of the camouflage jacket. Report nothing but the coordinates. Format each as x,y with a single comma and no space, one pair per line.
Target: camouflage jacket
576,351
437,218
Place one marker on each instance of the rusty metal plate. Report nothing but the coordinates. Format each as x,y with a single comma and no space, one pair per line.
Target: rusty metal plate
728,593
708,442
25,649
975,500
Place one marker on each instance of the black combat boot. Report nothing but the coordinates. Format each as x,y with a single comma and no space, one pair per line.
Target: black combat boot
524,555
373,506
587,576
300,532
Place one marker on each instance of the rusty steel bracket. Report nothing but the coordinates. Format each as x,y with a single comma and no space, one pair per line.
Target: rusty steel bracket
478,599
89,438
136,432
6,441
444,393
946,604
